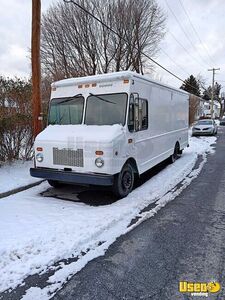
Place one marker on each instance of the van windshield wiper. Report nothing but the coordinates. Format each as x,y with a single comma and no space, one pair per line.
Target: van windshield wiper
70,99
102,99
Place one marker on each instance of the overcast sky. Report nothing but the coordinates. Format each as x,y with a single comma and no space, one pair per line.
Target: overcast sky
203,51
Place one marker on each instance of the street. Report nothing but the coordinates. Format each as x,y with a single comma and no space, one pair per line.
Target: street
184,241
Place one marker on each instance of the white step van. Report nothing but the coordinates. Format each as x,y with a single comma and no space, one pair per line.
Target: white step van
105,129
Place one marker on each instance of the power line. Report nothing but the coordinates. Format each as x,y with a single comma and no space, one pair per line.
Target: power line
116,33
181,68
183,30
185,11
182,46
109,28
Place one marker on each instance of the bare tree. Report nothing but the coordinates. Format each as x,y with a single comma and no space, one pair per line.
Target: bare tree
194,108
75,44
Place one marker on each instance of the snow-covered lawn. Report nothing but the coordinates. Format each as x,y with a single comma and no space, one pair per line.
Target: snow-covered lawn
15,175
35,232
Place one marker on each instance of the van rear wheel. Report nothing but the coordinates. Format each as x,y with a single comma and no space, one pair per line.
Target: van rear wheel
124,181
176,154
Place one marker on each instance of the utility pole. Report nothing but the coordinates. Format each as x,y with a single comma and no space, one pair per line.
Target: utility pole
212,95
36,68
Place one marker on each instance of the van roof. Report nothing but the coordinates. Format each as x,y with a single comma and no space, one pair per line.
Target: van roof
111,76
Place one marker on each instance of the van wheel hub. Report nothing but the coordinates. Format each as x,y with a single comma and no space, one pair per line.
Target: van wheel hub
127,180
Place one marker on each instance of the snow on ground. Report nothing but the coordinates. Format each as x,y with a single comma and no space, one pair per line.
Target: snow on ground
217,122
36,232
15,175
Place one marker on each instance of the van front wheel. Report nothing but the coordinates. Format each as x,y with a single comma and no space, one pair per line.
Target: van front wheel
124,181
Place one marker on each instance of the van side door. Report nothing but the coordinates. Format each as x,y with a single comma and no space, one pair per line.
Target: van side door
137,126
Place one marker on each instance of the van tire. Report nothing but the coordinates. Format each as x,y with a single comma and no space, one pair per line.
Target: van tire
54,183
176,154
124,181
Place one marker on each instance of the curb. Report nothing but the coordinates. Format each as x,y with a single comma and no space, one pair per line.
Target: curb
20,189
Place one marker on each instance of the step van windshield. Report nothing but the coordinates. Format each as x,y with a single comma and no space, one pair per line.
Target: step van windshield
106,109
68,110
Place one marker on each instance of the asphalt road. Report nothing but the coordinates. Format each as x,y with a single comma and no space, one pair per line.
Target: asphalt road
184,241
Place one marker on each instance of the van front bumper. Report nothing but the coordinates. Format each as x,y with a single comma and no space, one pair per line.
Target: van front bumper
72,177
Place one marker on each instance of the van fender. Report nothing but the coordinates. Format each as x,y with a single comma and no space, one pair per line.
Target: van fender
133,163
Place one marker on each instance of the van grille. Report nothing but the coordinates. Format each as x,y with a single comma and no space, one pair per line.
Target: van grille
68,157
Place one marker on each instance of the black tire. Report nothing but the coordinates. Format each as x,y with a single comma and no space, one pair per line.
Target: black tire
176,154
180,153
54,183
124,182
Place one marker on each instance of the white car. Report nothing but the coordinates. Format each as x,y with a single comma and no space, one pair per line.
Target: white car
204,127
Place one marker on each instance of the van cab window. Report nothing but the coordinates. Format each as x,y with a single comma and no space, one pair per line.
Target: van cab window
64,111
138,114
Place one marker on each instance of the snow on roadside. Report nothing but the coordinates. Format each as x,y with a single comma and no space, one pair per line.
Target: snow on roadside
16,175
217,122
35,232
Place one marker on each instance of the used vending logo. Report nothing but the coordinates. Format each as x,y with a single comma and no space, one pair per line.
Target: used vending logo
199,288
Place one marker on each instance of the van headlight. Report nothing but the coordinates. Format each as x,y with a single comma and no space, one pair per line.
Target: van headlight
99,162
39,157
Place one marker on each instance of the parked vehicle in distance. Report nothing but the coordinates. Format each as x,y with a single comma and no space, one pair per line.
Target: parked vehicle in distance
105,129
204,127
222,121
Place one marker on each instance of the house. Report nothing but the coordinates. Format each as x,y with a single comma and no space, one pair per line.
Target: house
207,109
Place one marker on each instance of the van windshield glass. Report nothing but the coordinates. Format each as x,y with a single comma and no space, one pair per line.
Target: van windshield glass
106,109
64,111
